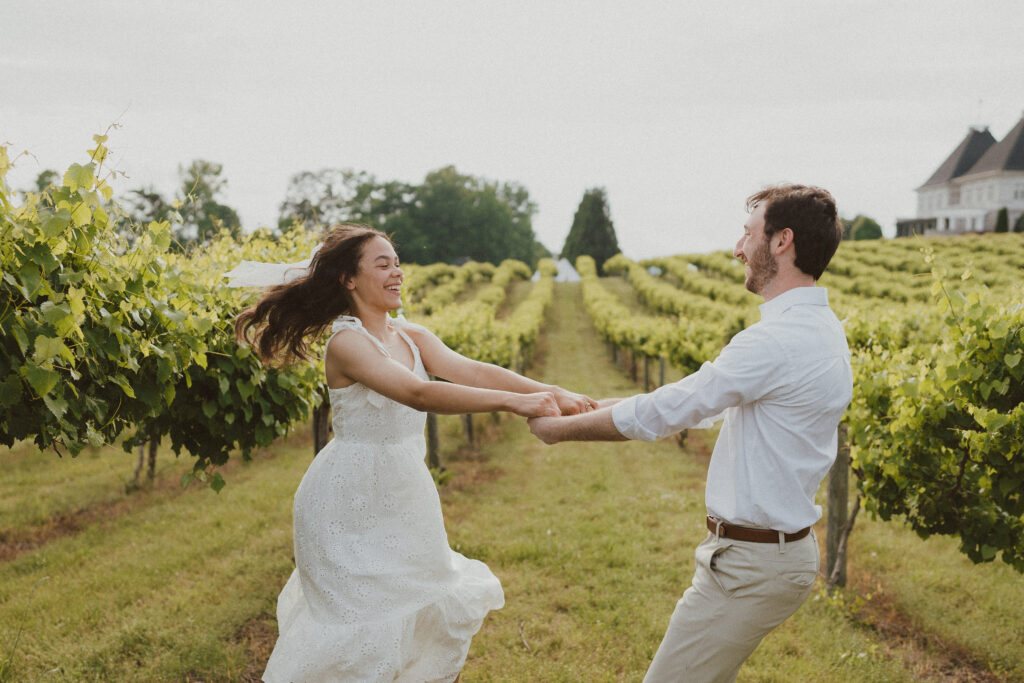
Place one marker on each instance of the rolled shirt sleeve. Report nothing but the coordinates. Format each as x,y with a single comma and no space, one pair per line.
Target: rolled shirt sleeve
746,369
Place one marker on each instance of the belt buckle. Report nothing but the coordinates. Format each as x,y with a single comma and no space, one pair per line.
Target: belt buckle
718,527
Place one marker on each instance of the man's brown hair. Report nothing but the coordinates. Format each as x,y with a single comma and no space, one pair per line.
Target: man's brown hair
810,212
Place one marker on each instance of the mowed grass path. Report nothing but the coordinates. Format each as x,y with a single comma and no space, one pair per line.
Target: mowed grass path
592,542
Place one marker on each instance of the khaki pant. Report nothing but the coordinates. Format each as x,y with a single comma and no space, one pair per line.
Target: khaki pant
740,592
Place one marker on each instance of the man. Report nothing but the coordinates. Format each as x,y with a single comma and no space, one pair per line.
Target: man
783,385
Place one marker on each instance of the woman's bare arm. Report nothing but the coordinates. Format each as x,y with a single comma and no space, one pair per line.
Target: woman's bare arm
354,356
442,362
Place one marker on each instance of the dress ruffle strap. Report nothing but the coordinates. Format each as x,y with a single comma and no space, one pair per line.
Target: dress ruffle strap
350,322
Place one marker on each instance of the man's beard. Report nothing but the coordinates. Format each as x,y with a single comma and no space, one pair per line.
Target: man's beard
763,268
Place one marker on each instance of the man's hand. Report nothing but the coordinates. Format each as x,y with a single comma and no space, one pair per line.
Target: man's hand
593,425
545,428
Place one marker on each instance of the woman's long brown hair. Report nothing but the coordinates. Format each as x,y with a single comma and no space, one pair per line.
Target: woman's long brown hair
281,326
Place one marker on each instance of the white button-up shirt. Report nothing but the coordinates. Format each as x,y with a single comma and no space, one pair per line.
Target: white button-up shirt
783,384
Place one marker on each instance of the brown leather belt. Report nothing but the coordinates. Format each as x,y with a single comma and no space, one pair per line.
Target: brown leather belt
746,533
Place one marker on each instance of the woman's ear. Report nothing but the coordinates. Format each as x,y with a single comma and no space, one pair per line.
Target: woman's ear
347,282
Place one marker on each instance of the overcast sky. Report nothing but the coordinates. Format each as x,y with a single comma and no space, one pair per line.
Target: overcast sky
678,109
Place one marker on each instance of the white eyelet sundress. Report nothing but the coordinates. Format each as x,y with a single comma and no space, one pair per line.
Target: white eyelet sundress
377,593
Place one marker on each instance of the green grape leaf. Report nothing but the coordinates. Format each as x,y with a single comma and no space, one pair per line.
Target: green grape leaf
42,380
81,214
78,177
56,224
57,406
122,381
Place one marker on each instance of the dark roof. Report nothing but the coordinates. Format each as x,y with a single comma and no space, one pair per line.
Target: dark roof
1006,155
963,157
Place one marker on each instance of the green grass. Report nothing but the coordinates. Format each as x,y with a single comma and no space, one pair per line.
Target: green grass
36,487
933,587
160,593
593,544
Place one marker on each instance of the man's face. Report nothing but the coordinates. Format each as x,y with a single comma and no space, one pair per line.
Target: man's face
754,250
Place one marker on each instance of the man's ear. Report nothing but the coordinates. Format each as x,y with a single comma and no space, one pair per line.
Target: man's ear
782,240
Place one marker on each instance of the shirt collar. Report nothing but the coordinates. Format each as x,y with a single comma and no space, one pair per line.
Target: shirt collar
798,296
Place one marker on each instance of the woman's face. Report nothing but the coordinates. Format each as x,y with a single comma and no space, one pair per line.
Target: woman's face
378,284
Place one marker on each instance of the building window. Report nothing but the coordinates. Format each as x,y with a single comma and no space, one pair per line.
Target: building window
954,195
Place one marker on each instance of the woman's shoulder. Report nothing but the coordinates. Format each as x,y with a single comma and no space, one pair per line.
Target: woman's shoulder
349,336
404,324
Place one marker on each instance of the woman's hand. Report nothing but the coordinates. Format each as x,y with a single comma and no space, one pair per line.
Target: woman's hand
571,403
540,404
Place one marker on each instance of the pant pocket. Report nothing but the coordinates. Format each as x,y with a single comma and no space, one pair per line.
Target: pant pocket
736,569
706,558
799,578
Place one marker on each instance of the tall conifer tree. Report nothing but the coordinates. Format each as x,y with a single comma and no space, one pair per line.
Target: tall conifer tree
592,231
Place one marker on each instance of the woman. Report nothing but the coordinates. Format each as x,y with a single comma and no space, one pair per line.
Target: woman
377,593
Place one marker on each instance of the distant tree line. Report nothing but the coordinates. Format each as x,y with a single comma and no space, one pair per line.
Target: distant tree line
448,217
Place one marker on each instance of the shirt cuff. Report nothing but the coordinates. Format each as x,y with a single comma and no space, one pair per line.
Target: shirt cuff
624,418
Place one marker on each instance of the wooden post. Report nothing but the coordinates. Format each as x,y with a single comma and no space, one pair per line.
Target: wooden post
632,365
467,427
838,503
433,443
321,422
661,371
154,441
138,468
647,373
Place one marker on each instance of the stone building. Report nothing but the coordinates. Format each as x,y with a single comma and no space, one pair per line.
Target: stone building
965,194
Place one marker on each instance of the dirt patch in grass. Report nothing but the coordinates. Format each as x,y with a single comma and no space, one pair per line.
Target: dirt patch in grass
13,543
469,474
258,636
928,656
471,463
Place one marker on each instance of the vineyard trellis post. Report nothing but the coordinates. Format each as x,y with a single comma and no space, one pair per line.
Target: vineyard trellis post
433,444
321,422
838,517
152,443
